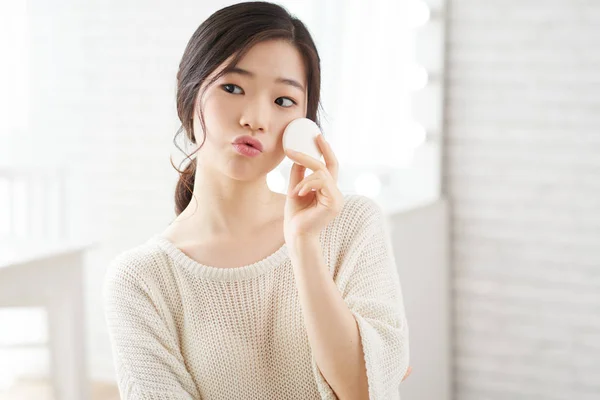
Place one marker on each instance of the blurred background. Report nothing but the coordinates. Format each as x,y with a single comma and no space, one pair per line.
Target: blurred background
475,124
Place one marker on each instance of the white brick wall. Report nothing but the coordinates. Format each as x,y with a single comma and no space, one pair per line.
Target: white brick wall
522,171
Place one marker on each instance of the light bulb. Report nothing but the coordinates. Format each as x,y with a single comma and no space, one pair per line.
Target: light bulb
416,77
418,13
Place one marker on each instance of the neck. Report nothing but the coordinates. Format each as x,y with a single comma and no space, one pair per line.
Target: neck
229,208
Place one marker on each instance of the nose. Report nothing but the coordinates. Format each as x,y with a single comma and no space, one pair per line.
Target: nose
255,116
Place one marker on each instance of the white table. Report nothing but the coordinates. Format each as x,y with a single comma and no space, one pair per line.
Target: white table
50,275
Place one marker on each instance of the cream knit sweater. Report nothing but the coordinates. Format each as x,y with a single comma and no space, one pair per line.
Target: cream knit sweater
183,330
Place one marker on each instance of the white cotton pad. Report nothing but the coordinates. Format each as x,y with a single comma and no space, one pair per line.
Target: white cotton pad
301,135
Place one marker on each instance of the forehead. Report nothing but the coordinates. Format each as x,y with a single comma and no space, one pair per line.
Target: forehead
274,59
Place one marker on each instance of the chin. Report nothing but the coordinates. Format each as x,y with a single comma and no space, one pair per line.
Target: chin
243,168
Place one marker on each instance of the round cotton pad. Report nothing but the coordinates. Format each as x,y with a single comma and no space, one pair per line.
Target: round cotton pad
301,135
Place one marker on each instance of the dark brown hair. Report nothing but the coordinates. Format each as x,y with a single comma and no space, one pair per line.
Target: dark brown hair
232,31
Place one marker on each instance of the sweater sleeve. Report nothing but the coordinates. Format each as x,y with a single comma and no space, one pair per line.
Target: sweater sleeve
370,286
147,358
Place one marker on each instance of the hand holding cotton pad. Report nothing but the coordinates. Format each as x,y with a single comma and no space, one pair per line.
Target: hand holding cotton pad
300,135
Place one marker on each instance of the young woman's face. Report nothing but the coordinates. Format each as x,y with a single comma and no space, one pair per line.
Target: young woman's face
267,92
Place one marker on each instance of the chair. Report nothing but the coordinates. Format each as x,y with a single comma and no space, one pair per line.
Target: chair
41,266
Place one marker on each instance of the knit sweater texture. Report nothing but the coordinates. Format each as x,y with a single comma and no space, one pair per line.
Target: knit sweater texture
183,330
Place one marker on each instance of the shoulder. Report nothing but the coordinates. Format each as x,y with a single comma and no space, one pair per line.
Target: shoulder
359,213
357,205
360,224
134,267
357,220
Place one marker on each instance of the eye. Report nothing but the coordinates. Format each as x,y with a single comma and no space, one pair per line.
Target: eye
230,88
282,101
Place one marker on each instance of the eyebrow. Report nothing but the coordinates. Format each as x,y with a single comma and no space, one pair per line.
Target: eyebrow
286,81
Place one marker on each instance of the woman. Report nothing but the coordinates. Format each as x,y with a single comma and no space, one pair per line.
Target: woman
248,293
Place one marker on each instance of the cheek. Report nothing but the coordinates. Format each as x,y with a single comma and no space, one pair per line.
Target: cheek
278,151
285,121
217,110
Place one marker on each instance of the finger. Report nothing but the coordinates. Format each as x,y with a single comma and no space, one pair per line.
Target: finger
313,176
309,187
317,185
408,371
331,160
296,176
305,160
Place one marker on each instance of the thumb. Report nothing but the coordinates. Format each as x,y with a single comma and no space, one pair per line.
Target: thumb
296,176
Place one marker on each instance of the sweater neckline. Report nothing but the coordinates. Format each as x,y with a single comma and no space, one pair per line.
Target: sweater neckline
210,272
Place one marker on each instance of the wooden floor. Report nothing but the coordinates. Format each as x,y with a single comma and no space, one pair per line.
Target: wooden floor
40,389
